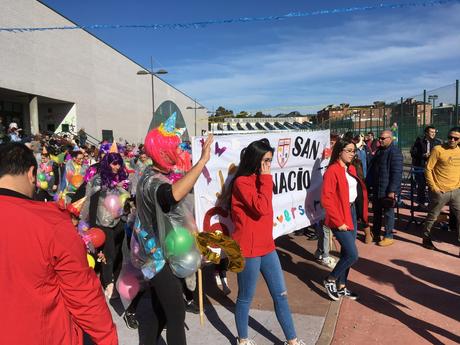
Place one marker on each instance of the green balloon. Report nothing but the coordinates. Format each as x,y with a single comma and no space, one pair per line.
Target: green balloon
178,242
41,177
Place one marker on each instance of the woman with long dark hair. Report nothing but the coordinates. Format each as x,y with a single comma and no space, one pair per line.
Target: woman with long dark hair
252,215
341,187
106,194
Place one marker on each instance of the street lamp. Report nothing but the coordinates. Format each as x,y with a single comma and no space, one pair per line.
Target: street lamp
152,73
195,108
433,98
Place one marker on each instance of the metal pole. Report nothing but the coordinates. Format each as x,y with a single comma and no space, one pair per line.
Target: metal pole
424,108
153,92
195,116
456,102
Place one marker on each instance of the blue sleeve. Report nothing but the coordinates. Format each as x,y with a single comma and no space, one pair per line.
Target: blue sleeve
396,170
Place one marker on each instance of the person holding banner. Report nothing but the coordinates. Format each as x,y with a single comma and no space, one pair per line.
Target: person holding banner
341,188
252,214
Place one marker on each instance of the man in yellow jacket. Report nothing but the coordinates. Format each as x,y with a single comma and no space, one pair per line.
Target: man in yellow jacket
442,174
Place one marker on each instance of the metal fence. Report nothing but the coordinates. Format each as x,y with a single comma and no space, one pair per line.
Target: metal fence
407,117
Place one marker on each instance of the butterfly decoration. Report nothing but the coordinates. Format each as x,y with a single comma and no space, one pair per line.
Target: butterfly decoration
219,150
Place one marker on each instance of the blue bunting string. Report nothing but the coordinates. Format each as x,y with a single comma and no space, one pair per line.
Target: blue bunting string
197,25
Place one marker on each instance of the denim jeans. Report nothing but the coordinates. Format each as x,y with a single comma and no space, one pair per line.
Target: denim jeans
270,267
388,217
420,180
348,251
324,234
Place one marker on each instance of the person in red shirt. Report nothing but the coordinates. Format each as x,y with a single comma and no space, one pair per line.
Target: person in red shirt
341,188
252,215
48,292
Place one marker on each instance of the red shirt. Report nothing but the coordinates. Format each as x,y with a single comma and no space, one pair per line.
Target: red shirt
48,293
252,214
335,196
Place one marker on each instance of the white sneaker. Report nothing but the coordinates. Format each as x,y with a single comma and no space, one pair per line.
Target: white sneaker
109,290
298,342
247,342
318,255
328,262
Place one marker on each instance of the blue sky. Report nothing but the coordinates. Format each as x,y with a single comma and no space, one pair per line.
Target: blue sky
280,66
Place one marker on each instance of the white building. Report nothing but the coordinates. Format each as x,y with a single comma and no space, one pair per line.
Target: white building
63,80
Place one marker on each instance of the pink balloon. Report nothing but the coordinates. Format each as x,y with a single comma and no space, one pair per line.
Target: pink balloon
113,205
128,285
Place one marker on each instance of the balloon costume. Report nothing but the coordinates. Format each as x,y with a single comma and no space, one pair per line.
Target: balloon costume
161,238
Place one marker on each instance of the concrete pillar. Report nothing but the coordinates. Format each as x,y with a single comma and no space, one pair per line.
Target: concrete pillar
33,111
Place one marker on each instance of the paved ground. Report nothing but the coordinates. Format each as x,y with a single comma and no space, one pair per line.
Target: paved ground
409,295
307,299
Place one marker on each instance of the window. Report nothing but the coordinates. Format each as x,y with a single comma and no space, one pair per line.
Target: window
107,134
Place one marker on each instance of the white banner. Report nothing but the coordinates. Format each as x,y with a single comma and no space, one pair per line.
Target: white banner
297,169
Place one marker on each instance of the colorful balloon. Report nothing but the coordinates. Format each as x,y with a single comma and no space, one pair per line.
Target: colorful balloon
49,169
82,226
128,285
76,180
113,205
91,261
178,242
41,176
44,185
185,265
123,198
96,236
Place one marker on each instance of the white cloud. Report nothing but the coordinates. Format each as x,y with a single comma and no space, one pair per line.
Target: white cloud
370,57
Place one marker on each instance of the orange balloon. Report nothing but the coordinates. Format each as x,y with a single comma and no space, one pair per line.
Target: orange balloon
76,180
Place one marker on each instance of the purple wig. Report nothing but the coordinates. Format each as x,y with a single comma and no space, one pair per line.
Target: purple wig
109,179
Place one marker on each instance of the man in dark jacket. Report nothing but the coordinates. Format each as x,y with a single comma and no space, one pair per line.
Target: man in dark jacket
384,179
420,152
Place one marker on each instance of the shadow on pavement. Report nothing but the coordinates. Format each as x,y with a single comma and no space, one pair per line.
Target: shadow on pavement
388,306
411,289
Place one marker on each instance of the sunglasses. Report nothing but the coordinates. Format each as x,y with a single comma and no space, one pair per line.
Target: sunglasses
450,137
349,151
266,160
383,138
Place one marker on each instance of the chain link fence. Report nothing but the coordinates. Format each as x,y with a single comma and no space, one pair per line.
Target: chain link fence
406,117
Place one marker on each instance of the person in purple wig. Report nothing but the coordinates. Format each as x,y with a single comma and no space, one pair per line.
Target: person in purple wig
106,193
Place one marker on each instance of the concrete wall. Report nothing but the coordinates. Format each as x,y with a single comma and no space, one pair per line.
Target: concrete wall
76,67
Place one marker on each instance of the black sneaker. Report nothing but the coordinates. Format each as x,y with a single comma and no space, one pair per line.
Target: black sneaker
331,289
130,320
428,244
191,307
344,292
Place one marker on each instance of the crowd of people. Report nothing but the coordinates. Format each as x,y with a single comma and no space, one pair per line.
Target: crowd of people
71,207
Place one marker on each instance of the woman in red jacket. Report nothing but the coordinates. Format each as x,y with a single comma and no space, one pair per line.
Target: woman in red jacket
341,187
252,215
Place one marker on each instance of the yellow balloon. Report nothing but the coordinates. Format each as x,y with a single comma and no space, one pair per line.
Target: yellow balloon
91,262
44,185
123,198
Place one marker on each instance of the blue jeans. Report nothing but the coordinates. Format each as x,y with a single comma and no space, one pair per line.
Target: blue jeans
324,234
348,251
271,270
388,217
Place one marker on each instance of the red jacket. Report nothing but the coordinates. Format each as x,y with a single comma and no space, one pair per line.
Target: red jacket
48,293
252,214
335,196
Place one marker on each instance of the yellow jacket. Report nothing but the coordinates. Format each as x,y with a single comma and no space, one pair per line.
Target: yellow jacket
442,170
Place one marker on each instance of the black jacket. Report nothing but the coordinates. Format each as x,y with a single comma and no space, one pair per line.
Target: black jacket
419,149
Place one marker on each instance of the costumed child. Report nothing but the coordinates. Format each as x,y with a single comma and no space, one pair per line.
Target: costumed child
73,176
106,194
47,177
163,246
